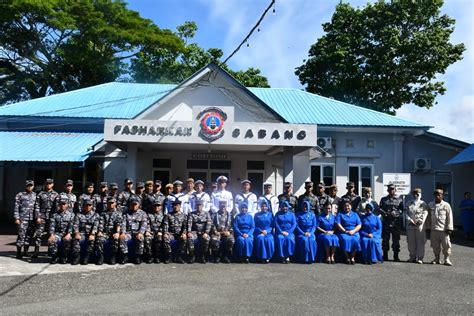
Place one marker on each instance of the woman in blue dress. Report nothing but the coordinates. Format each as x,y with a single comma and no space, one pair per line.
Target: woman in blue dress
264,244
285,224
348,224
306,224
326,236
371,235
243,231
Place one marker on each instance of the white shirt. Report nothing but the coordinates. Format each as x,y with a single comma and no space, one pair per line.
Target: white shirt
251,199
172,197
200,196
222,195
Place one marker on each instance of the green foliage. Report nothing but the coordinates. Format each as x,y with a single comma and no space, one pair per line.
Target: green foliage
58,45
383,55
156,64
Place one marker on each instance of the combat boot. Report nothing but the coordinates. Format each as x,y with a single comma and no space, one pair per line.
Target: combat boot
215,257
167,258
112,259
179,260
25,251
138,260
202,259
85,261
124,259
63,259
385,255
19,255
54,259
75,259
191,258
395,257
225,259
156,259
149,259
35,253
100,260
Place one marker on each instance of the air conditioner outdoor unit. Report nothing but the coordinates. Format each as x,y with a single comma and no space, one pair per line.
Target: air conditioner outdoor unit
422,164
324,142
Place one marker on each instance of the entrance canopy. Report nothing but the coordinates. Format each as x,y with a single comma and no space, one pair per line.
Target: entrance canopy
465,156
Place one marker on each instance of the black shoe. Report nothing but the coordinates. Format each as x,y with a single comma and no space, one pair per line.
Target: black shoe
157,260
85,261
246,260
25,251
124,259
179,260
54,260
100,260
395,257
191,260
202,259
19,255
385,256
217,259
62,260
35,253
167,260
75,260
225,259
137,260
149,259
112,260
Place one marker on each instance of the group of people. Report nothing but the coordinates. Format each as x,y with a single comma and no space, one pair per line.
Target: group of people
187,224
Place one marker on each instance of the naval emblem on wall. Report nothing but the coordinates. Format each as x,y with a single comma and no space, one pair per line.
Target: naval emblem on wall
211,123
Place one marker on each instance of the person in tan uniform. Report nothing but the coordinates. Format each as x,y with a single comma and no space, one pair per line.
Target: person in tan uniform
441,219
416,213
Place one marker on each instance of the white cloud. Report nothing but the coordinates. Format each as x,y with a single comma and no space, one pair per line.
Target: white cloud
285,38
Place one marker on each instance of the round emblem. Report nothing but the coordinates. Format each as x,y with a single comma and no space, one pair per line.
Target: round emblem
211,123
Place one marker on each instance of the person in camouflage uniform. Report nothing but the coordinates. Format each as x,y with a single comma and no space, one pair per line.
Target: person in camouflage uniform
69,196
199,228
177,222
222,234
85,229
123,199
391,209
152,193
156,234
101,198
350,197
310,197
88,195
139,193
288,196
60,230
322,196
110,224
44,208
135,224
113,191
24,218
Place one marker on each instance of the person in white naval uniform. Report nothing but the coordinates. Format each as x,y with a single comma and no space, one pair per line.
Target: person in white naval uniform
200,194
177,194
221,194
247,196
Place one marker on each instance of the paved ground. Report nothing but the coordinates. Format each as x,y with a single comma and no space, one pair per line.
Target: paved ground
389,288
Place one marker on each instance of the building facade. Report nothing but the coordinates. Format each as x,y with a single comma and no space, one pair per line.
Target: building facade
211,125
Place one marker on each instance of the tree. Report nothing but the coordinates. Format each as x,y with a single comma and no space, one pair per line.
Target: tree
156,64
59,45
382,56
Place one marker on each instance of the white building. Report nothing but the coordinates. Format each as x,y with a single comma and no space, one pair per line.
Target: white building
211,125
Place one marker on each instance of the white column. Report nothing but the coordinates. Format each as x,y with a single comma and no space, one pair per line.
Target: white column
288,164
342,174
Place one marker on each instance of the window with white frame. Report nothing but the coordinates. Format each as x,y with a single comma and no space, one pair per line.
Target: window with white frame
323,172
362,176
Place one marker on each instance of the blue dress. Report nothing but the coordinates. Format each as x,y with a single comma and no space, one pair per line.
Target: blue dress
306,247
264,245
371,247
243,224
328,223
285,222
349,243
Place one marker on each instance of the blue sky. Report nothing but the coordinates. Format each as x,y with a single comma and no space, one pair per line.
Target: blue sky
285,38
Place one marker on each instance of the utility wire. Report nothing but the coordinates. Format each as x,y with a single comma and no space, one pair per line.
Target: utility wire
272,3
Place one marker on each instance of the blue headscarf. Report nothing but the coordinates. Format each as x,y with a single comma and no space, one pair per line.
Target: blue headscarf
370,205
308,206
243,204
285,203
263,201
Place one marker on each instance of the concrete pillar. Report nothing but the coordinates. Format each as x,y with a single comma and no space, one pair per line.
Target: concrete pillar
288,164
132,162
342,174
398,153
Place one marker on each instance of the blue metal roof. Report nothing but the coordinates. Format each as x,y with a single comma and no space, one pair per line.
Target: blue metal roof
33,146
110,100
127,100
467,155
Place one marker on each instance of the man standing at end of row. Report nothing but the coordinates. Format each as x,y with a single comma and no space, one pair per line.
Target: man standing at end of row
23,215
441,218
